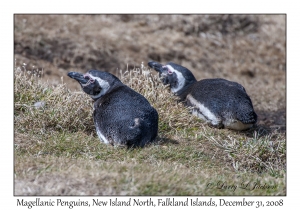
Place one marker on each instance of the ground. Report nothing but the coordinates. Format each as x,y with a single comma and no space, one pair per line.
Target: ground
249,49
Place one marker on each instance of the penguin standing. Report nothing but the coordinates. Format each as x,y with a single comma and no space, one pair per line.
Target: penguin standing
219,102
122,116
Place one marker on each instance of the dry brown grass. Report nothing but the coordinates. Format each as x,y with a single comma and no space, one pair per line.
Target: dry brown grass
53,116
186,151
61,176
57,151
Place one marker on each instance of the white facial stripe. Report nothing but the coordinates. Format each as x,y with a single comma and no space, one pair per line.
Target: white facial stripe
88,83
91,80
180,79
163,74
206,113
104,85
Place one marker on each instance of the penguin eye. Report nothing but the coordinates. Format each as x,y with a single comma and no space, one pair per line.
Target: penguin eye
91,80
170,72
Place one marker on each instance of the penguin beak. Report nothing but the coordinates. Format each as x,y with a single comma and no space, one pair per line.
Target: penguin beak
78,76
156,66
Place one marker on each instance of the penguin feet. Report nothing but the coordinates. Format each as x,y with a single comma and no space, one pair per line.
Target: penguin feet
219,125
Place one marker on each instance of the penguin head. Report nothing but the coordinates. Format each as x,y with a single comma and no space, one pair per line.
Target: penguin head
177,76
95,83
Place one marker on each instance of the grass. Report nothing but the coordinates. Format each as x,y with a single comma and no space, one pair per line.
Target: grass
57,151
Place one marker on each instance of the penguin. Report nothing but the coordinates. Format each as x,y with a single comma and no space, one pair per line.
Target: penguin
219,102
122,117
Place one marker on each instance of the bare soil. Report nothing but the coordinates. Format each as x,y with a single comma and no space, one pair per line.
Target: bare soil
249,49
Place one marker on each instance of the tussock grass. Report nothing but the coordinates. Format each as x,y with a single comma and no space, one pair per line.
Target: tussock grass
63,110
57,151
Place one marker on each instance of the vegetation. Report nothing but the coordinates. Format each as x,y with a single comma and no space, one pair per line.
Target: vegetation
57,151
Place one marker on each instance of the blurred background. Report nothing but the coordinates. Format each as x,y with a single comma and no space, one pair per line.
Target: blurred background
248,49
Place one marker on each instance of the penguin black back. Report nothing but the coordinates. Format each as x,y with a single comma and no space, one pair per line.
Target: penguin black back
219,102
223,97
122,116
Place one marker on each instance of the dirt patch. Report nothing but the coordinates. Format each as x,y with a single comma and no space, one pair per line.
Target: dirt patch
273,119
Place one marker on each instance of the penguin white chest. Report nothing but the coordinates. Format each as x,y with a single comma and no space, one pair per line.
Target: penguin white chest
100,135
203,112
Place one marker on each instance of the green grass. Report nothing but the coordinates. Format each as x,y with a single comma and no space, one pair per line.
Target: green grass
57,151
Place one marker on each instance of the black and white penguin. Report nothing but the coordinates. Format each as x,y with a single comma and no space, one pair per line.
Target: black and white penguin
219,102
122,116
